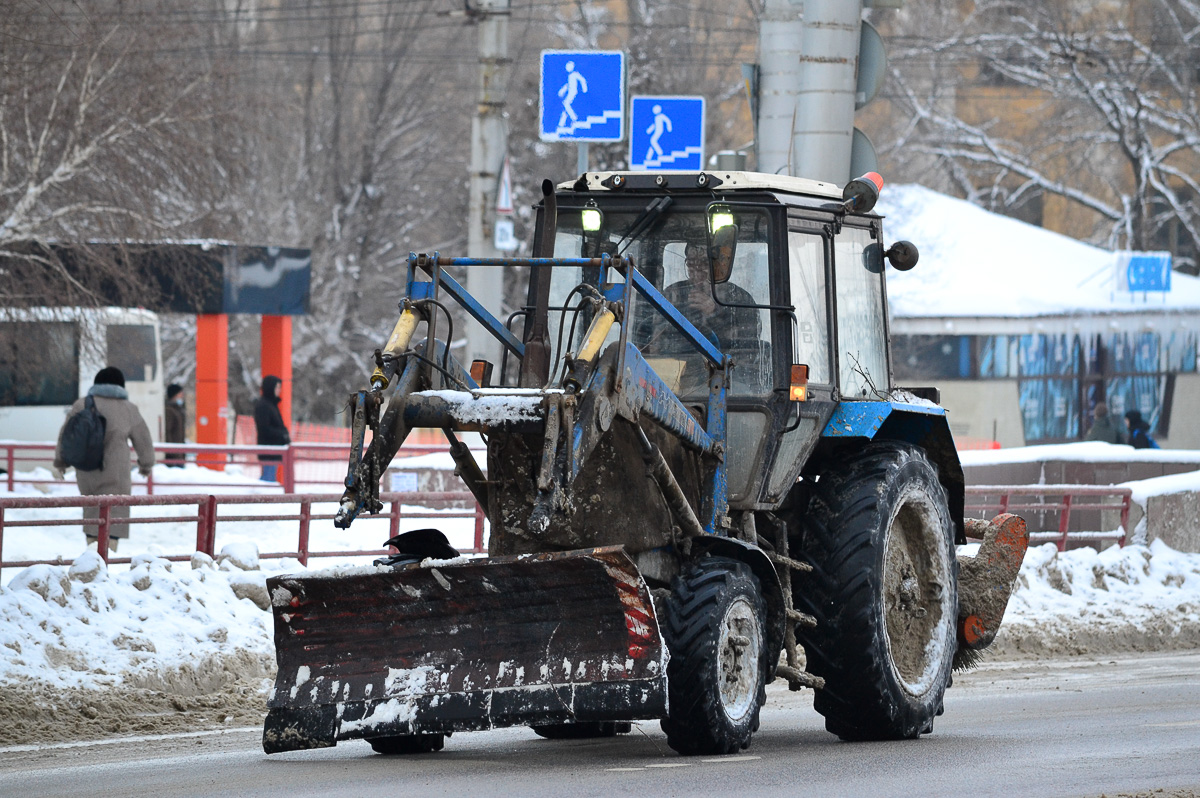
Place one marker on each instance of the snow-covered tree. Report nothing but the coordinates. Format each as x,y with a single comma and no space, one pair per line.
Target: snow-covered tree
97,142
1091,105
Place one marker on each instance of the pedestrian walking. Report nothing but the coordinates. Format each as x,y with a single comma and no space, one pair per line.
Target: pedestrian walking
268,423
123,424
1139,431
175,423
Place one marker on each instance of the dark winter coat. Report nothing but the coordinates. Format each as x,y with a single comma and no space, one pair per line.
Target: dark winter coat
1139,431
175,422
268,421
1139,437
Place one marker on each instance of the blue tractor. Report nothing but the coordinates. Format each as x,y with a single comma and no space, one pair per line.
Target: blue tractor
699,477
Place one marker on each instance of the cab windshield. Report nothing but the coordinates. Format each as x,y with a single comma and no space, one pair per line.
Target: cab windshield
671,252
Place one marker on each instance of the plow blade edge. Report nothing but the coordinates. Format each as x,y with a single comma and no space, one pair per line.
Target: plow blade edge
986,580
471,644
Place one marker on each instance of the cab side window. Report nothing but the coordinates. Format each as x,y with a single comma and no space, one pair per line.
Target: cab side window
806,259
861,317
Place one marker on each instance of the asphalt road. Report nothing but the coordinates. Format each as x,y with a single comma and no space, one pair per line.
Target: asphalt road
1039,729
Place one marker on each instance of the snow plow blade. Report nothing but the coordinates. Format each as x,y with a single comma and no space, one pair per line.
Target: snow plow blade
986,580
468,644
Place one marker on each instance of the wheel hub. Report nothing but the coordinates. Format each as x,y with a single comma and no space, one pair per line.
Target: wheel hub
913,589
739,651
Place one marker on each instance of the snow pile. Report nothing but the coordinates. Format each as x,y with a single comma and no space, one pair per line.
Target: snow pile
82,626
1136,598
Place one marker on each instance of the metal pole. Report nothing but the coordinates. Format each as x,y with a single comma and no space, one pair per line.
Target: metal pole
489,141
581,158
828,62
779,33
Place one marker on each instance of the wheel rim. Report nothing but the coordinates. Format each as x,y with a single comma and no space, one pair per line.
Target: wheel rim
739,651
915,594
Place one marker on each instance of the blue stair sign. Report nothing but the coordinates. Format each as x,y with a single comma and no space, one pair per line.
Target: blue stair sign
666,133
583,96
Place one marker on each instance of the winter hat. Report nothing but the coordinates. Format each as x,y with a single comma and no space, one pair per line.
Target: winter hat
173,390
109,375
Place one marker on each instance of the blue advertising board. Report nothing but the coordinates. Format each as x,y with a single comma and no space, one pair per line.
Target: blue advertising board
1145,271
582,96
666,133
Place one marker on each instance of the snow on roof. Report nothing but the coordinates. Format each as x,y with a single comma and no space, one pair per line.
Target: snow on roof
978,263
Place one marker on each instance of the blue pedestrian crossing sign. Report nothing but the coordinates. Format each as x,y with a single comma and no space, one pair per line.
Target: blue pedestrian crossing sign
666,133
583,96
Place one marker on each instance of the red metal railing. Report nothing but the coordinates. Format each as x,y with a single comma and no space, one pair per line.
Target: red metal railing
307,464
1019,498
207,518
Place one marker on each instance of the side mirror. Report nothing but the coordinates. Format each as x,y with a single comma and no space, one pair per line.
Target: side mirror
902,255
722,245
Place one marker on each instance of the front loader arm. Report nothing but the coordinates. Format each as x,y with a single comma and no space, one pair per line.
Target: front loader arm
366,467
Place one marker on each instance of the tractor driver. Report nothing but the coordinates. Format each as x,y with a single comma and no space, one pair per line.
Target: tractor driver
730,323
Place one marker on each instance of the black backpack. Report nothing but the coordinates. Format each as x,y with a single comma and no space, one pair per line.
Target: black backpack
83,438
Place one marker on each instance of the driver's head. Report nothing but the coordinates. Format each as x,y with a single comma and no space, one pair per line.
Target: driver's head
696,258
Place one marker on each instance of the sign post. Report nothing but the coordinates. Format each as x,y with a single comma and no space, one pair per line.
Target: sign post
666,133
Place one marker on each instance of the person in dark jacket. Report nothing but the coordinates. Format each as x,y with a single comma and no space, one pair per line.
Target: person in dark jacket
1103,426
268,423
1139,431
175,423
123,424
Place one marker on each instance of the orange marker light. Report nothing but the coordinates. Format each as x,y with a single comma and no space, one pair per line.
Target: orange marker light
799,383
481,373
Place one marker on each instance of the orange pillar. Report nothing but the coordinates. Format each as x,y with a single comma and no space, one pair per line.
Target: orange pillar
212,383
276,337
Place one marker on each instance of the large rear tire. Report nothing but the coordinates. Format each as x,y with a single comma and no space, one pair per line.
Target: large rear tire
408,744
716,679
877,531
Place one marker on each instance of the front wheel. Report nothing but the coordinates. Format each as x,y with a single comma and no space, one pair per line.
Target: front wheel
716,633
883,588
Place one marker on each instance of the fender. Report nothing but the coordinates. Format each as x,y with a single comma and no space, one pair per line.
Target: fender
923,425
768,577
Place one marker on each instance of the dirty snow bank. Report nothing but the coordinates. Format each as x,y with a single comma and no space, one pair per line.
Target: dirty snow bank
1137,598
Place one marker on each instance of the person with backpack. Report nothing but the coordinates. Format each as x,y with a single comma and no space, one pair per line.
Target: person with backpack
1139,431
103,470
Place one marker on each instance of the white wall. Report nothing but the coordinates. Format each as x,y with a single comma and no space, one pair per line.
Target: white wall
977,407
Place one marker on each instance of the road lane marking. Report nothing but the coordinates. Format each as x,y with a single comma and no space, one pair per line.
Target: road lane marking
732,759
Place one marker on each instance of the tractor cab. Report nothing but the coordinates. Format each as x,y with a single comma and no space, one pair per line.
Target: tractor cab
775,271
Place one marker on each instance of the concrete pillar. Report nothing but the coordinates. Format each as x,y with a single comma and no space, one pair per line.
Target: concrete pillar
212,384
276,337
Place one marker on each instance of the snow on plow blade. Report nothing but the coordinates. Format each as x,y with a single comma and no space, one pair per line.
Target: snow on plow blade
986,580
473,644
